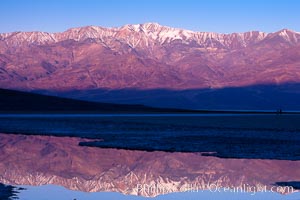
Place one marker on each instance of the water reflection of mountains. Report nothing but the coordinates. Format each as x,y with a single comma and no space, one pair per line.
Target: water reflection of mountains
38,160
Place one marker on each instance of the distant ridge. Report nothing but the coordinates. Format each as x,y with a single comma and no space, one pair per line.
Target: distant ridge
146,56
150,56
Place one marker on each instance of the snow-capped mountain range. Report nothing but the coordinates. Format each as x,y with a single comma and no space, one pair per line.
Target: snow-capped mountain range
148,34
146,56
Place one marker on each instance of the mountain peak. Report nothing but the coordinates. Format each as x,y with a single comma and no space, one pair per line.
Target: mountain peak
152,26
285,30
287,35
146,27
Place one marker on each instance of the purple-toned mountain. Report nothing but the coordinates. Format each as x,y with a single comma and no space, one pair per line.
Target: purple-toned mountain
146,56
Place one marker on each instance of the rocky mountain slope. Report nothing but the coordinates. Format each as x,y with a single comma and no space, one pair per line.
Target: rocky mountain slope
146,56
157,66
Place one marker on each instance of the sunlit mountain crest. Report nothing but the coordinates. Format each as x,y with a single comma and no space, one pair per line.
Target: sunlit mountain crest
148,31
146,56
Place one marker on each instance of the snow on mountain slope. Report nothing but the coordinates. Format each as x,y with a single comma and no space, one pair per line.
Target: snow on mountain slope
146,56
148,31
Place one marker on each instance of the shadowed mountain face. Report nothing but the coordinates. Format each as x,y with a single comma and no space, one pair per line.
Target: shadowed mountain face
24,102
258,97
38,160
146,56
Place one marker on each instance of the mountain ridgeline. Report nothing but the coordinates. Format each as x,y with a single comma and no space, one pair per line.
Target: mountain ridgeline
147,57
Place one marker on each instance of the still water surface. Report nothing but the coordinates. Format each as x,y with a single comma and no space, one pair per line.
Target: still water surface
254,151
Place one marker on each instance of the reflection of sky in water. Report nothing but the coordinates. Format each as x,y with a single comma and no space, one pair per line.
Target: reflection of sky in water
51,192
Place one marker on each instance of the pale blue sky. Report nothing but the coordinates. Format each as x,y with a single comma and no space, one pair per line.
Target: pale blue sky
222,16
